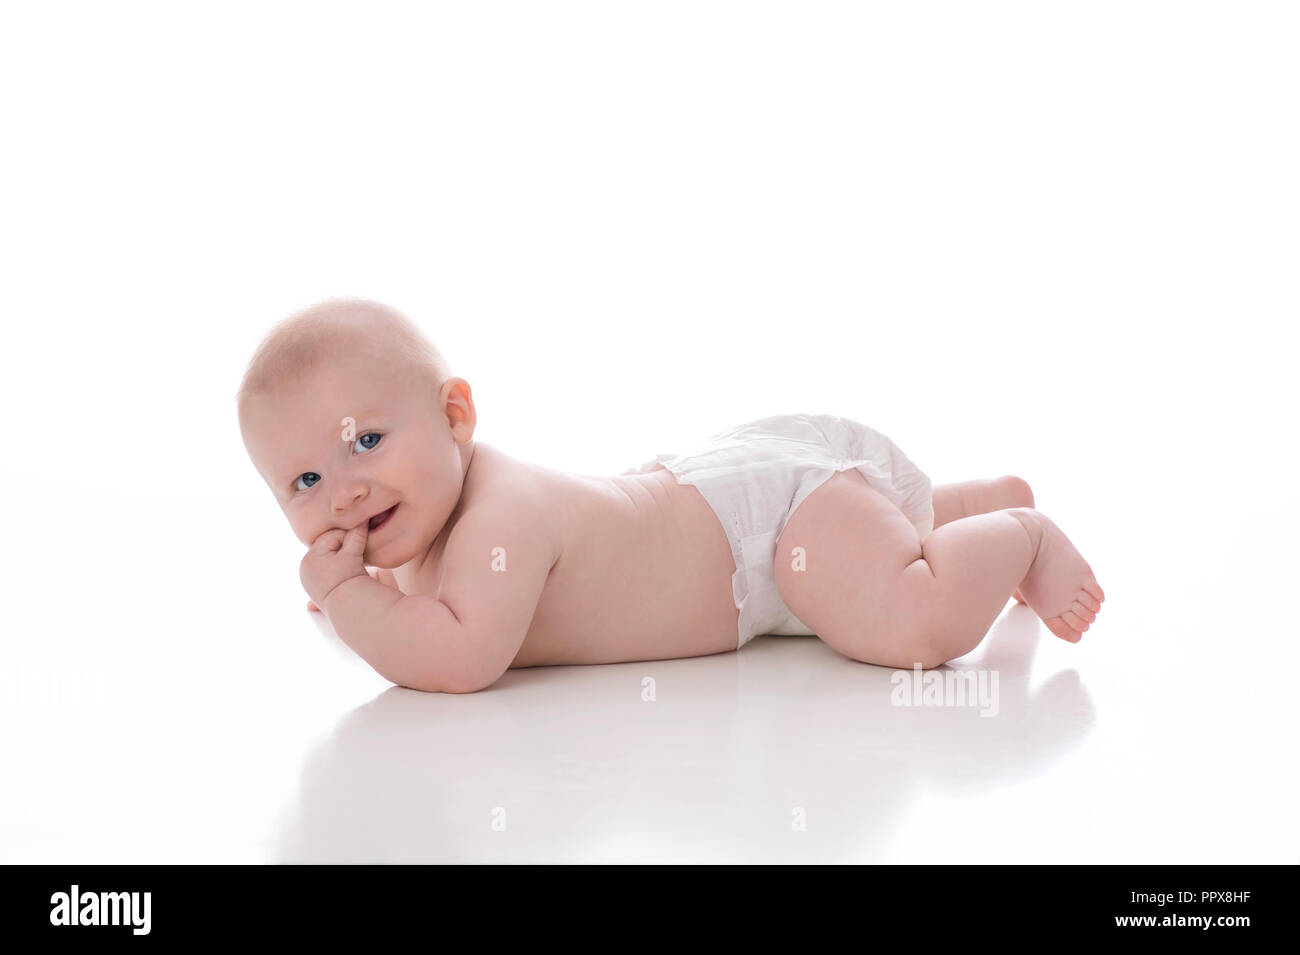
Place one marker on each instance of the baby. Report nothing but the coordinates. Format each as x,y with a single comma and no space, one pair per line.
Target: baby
795,524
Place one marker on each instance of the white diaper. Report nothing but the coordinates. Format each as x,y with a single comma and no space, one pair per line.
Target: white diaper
755,475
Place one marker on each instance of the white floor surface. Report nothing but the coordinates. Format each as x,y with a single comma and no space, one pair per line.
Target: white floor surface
241,730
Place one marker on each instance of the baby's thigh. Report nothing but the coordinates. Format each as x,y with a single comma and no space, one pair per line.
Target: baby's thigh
855,545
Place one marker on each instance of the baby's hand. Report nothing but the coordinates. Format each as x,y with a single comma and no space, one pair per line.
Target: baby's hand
334,557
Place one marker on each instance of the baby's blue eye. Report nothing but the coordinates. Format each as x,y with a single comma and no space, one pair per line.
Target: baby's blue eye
366,442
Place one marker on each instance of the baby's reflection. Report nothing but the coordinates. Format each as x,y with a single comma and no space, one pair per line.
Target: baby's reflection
786,752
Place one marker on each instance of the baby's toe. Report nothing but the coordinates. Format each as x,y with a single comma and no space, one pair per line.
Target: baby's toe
1075,621
1062,629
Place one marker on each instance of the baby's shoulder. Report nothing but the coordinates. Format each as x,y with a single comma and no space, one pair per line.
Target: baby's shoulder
505,507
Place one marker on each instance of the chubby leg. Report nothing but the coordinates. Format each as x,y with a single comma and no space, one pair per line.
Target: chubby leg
872,589
952,502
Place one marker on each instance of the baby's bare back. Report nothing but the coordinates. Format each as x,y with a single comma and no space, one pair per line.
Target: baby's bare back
642,569
644,572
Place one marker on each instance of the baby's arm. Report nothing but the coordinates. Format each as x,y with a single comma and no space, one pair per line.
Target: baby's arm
380,574
465,639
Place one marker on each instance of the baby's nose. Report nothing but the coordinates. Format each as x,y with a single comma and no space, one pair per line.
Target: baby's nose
348,499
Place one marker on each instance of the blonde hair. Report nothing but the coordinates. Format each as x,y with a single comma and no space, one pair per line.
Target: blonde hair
295,345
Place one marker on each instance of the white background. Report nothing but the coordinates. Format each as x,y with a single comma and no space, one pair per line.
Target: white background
1054,240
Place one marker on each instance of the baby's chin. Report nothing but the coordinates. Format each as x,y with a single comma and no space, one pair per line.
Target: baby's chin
381,558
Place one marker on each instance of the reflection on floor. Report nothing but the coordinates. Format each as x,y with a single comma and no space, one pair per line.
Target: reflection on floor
158,731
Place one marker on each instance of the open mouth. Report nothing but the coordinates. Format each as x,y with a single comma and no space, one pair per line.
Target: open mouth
379,520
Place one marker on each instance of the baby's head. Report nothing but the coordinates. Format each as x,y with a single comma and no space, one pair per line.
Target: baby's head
348,410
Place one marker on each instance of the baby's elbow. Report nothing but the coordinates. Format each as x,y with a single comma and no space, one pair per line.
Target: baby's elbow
436,683
472,683
445,682
472,687
431,652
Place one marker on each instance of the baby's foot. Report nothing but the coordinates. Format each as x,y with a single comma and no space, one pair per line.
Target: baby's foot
1059,585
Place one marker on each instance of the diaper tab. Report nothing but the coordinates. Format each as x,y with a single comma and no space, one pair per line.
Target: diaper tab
753,563
754,587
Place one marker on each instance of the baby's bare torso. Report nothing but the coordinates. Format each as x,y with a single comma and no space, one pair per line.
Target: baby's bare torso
644,569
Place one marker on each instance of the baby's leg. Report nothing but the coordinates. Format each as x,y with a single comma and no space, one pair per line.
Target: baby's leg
872,589
952,502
